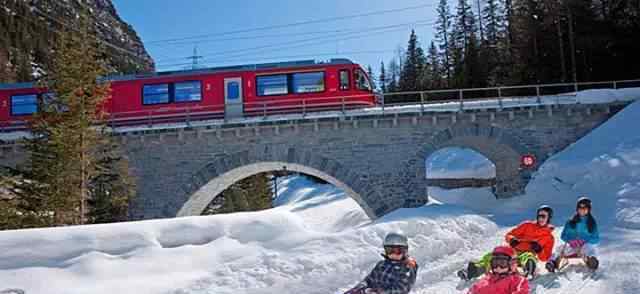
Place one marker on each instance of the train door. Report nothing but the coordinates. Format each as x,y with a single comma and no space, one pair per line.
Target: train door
233,98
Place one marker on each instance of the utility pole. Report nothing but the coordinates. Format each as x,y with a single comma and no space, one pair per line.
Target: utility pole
194,58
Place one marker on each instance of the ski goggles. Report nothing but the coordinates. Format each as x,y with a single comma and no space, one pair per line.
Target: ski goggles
500,262
395,250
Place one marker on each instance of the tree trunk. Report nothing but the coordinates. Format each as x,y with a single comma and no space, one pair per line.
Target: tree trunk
563,63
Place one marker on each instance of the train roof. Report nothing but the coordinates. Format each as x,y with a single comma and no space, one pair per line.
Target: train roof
209,70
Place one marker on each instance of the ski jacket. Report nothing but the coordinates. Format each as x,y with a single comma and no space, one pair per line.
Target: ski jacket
531,231
580,232
494,284
391,277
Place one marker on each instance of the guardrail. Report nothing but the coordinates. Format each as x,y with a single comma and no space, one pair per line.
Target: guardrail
421,99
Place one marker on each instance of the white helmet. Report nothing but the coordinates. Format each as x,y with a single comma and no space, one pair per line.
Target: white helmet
395,240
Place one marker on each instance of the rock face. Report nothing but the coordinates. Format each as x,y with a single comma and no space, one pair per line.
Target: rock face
28,29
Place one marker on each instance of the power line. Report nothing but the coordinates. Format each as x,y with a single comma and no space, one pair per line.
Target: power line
330,19
383,29
294,56
180,43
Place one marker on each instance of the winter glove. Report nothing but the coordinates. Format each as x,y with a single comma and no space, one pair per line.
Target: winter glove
535,246
576,243
514,242
410,262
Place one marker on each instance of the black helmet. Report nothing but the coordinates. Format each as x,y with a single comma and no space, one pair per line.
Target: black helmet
583,201
548,209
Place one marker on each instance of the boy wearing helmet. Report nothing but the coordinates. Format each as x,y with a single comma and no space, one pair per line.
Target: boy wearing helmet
396,274
503,277
580,234
532,241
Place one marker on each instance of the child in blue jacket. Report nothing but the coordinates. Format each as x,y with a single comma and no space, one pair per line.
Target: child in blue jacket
580,235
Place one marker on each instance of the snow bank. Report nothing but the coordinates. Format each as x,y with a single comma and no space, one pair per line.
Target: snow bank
317,240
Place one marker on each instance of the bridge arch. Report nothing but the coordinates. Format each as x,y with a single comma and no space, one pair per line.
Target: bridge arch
221,173
502,148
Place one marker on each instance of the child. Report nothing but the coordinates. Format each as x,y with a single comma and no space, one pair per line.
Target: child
396,274
503,276
580,234
532,241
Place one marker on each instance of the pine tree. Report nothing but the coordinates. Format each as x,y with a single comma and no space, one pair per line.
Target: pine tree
412,70
464,24
394,69
443,32
69,165
250,194
463,28
371,77
383,78
493,23
433,78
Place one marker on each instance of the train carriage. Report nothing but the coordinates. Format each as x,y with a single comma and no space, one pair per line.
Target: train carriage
213,93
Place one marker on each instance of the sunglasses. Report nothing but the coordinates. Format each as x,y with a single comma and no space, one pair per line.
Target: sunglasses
544,216
394,250
583,207
500,262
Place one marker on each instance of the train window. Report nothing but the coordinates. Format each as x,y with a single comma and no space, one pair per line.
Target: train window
344,79
272,85
24,104
308,82
362,82
155,94
188,91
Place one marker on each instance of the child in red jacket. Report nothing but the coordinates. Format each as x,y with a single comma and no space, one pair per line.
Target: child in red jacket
532,240
503,277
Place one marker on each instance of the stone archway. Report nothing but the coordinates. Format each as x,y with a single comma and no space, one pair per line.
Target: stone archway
494,143
203,196
222,172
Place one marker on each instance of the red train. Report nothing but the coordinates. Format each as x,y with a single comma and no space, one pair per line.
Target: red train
213,93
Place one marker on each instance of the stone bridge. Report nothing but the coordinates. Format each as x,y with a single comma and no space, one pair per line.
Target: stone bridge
378,159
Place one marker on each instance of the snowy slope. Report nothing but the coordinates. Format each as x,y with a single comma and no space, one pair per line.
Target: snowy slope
318,241
287,249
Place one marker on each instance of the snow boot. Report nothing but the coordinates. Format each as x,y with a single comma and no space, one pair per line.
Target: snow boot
472,271
592,262
551,266
462,274
530,268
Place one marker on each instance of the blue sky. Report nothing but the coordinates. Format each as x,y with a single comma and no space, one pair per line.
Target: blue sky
366,40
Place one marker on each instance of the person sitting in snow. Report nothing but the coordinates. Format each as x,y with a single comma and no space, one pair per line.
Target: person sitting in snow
503,276
532,241
396,274
580,234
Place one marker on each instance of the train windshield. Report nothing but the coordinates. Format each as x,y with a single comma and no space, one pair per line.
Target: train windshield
362,81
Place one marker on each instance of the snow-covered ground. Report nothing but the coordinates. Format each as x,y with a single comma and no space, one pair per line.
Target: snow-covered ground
458,163
317,240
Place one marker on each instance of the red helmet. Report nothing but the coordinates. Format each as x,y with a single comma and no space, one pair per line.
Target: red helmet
505,257
505,251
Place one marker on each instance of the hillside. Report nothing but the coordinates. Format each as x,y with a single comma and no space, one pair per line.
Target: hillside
28,29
